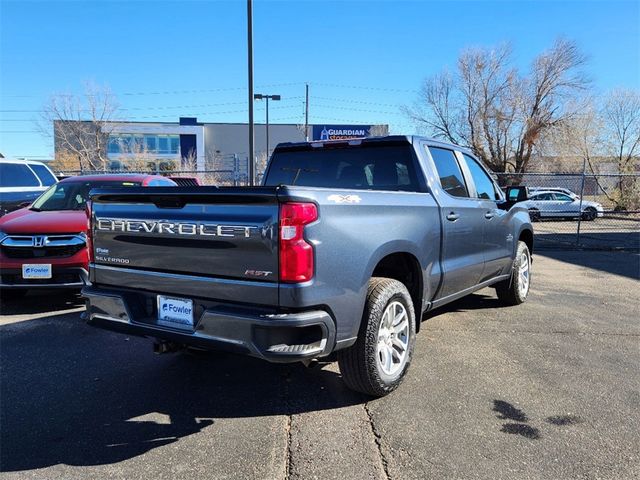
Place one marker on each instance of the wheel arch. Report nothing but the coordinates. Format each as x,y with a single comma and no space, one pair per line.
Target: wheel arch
526,236
404,267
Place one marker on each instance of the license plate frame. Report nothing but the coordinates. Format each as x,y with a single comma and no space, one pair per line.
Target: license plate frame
36,271
175,312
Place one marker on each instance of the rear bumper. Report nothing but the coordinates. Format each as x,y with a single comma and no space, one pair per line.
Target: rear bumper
62,277
282,338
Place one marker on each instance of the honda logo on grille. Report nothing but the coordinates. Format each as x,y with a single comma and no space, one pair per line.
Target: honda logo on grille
38,241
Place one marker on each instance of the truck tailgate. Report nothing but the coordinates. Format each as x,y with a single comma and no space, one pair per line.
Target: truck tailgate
223,233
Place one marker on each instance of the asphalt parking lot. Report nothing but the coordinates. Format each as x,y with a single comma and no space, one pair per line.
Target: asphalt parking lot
550,389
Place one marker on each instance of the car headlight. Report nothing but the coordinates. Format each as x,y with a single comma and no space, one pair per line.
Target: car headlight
2,236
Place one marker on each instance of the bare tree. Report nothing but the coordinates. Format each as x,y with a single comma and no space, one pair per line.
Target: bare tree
378,130
621,116
621,122
81,124
65,161
579,142
492,109
303,129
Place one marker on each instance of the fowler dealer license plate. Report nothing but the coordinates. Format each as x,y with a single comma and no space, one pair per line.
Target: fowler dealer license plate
175,312
36,270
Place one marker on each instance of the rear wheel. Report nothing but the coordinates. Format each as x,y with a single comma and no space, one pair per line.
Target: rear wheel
534,214
515,290
589,214
378,361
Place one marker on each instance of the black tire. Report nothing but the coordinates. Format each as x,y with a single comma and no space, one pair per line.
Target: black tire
510,291
534,214
10,295
589,214
359,363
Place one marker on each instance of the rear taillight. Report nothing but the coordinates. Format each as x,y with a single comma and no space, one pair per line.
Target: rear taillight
88,232
296,254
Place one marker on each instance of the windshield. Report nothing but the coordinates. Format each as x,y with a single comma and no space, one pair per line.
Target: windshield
72,195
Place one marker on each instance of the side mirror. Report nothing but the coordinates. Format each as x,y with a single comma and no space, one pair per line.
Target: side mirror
517,194
514,195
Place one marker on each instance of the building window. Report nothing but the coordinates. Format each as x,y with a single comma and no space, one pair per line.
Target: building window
150,143
175,144
154,144
163,144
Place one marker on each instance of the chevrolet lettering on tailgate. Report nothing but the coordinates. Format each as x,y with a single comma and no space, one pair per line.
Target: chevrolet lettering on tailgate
174,228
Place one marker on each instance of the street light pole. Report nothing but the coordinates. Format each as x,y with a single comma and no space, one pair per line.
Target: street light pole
267,127
261,96
252,159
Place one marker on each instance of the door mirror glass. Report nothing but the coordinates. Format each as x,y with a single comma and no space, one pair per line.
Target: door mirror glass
517,194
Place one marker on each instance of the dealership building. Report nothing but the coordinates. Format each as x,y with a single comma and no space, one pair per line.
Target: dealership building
189,144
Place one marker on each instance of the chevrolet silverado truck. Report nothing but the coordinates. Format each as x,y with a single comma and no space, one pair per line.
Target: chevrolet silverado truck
342,249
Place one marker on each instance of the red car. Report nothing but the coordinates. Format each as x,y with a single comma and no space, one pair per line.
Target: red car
44,245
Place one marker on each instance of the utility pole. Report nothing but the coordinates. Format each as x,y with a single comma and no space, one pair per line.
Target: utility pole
261,96
306,112
252,159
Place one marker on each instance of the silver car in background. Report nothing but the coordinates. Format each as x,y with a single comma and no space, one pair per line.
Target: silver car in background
554,204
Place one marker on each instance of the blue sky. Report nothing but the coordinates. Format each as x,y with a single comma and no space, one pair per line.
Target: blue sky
363,60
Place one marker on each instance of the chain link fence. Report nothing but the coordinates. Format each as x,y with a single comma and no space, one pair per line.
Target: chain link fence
220,178
598,211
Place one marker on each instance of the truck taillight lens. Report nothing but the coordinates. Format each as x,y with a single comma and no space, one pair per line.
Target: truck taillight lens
296,254
89,232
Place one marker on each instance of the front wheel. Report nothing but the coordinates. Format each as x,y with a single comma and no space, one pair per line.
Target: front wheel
378,361
514,291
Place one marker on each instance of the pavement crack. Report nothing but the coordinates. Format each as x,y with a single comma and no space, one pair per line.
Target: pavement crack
287,426
287,465
378,440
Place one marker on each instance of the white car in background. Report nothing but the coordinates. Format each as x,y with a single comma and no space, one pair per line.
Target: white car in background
554,204
553,189
21,182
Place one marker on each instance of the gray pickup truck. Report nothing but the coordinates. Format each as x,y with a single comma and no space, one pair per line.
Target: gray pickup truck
342,249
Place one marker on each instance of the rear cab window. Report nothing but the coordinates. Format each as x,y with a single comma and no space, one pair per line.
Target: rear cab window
369,166
17,175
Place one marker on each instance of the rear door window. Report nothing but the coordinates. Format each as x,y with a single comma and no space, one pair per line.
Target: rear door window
562,197
451,178
17,175
44,174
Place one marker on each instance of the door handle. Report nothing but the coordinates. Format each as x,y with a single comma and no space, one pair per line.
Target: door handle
489,215
453,217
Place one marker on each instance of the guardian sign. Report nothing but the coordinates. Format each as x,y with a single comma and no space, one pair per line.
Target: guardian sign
340,132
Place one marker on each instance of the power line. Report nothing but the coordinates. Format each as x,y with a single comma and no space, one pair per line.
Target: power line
334,107
362,87
168,107
180,92
340,100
